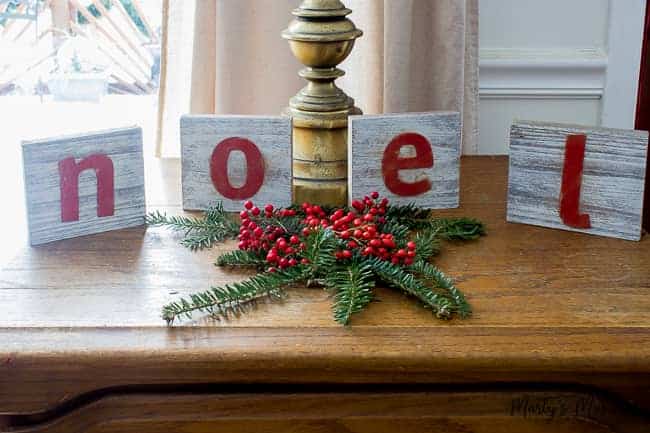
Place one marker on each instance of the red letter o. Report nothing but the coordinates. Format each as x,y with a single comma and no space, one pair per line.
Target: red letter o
254,168
393,163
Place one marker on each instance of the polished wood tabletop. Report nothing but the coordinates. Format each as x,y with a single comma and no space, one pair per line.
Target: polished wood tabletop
550,307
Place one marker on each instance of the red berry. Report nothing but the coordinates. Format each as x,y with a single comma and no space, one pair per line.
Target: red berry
243,245
374,195
368,217
401,253
243,215
255,211
293,262
284,263
388,242
410,254
357,222
258,232
395,261
352,244
368,251
357,234
269,208
289,250
248,205
345,235
347,254
411,245
306,231
304,261
358,205
408,261
376,243
294,240
271,270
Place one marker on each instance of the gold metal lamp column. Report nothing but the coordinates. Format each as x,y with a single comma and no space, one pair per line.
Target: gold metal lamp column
321,37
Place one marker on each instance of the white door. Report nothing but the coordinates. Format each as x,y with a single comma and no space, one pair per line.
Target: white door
571,61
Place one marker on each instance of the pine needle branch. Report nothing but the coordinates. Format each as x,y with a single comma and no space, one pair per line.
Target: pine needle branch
321,246
214,227
353,285
239,258
427,244
219,301
434,275
457,229
398,278
406,213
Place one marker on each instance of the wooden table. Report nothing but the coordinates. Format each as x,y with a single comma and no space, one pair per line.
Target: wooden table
560,339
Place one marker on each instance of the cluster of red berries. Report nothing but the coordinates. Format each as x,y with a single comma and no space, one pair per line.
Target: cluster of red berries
358,227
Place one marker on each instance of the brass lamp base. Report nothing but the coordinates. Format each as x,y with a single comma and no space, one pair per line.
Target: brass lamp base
321,38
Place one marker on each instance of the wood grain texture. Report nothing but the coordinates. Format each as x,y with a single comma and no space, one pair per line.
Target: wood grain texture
613,180
201,134
352,412
43,179
551,307
368,137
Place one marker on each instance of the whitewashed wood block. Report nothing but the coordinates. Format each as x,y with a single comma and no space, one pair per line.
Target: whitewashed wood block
84,184
608,195
235,158
408,158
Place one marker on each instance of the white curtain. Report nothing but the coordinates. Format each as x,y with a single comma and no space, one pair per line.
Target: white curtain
415,55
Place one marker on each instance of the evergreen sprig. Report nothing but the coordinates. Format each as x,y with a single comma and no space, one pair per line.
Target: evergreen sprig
352,281
437,279
396,277
214,227
239,258
457,229
353,285
231,298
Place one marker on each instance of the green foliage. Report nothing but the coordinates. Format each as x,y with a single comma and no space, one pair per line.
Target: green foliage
395,276
434,276
353,285
427,245
457,229
407,213
216,226
239,258
400,231
231,298
321,246
353,281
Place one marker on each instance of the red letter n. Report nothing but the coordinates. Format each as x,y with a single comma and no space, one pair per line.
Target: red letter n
69,171
574,156
254,168
393,163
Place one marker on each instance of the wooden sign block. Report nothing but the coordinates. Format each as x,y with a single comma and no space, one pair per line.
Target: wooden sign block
84,184
588,180
408,158
235,158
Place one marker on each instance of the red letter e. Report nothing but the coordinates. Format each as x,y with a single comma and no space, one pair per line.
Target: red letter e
393,163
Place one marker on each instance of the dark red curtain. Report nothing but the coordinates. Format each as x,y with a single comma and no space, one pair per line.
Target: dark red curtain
643,105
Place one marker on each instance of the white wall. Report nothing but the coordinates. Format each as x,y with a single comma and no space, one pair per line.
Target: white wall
550,60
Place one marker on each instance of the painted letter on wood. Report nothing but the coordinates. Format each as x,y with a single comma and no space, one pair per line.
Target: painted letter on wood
84,184
235,158
588,180
408,158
